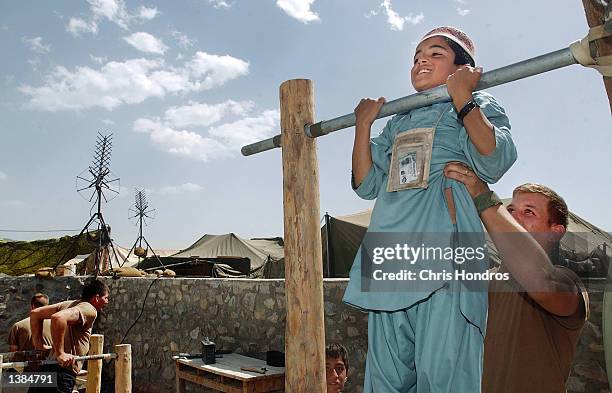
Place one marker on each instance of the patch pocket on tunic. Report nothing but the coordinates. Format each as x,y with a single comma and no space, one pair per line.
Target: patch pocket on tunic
411,159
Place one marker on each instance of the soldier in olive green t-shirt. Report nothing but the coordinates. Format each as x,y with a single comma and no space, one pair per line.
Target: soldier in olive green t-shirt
535,316
20,335
71,325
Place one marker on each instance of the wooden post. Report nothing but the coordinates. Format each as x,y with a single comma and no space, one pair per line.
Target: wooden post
594,11
180,383
123,368
305,329
94,367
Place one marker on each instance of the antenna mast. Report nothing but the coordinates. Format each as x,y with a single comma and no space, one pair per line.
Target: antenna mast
96,184
140,214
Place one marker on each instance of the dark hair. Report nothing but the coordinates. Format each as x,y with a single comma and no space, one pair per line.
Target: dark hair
335,350
39,300
461,56
93,288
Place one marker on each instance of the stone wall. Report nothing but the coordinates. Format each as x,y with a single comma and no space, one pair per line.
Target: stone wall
589,368
247,316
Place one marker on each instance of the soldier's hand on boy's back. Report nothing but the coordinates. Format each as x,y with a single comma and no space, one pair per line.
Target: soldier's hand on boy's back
367,110
462,173
462,83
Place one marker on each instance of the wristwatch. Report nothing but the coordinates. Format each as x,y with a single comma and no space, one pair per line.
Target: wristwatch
467,108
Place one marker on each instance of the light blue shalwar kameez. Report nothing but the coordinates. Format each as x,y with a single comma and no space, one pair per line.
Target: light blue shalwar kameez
428,342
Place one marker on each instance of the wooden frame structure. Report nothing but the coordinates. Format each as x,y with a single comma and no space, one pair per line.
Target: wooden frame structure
305,329
123,365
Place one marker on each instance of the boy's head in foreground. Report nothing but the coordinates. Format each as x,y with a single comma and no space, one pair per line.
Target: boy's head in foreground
336,367
438,55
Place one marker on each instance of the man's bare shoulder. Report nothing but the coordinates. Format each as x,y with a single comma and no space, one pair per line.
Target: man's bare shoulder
23,324
66,304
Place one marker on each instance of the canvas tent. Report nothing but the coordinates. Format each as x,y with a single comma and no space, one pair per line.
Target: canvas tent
341,237
77,264
225,255
585,248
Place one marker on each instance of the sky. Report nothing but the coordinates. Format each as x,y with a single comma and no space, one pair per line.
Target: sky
183,85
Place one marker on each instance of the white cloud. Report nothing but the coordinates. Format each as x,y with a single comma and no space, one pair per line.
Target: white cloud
220,141
395,20
462,12
220,4
3,176
76,26
197,114
130,82
298,9
130,191
36,45
146,13
247,130
114,11
180,189
182,143
182,39
98,60
34,63
114,84
145,42
415,19
11,203
216,70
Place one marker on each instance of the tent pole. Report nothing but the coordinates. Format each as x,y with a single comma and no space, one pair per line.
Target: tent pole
305,329
330,272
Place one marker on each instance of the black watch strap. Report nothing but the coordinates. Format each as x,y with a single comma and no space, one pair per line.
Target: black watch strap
467,108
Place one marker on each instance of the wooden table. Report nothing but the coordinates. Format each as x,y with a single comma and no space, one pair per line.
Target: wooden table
225,375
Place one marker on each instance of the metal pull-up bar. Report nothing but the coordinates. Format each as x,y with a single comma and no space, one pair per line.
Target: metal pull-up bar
530,67
123,364
26,363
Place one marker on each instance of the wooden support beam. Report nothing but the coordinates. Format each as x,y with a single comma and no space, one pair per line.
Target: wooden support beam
94,367
180,383
305,330
123,368
594,11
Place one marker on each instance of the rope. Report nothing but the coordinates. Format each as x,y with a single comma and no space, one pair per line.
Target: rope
581,50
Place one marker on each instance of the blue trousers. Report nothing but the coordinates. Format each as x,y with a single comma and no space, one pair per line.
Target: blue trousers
65,380
429,347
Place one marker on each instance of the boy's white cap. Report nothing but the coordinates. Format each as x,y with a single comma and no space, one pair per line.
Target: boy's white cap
454,34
